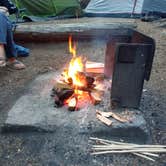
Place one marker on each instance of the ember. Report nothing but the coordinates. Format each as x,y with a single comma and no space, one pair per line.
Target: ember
77,88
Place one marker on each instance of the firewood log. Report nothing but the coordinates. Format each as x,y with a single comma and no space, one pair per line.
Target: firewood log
65,94
60,86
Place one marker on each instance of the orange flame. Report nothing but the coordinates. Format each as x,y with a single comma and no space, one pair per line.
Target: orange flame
72,49
72,102
76,73
76,66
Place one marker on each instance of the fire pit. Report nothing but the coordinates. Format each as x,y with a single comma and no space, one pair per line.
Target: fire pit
81,83
128,61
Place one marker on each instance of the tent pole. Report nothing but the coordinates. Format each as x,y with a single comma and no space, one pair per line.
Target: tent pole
135,2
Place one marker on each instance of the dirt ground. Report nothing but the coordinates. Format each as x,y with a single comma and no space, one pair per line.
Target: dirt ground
26,148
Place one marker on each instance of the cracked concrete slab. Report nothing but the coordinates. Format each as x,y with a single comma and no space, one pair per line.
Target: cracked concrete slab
35,111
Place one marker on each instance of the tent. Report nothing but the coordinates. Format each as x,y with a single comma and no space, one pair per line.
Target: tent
125,8
46,8
157,7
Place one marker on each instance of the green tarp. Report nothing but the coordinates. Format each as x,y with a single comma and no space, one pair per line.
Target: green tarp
44,8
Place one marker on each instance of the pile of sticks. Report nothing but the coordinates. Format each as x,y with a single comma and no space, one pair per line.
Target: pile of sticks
103,117
148,152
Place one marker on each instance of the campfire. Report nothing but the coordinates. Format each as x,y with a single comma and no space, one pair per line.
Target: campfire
81,82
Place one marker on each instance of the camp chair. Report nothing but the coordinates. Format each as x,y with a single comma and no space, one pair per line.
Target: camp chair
17,16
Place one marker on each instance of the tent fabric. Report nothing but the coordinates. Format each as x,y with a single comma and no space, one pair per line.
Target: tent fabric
124,7
114,6
154,6
44,8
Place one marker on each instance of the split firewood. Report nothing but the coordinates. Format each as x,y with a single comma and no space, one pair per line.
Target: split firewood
91,64
60,97
90,80
113,115
103,119
95,70
119,118
99,91
61,85
65,94
86,80
94,67
96,97
99,78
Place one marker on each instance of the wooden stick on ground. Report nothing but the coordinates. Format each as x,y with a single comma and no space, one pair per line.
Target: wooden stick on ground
105,120
113,115
145,157
144,151
123,143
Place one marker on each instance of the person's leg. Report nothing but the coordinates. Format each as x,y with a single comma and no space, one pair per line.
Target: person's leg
2,51
2,56
3,32
6,37
10,45
11,51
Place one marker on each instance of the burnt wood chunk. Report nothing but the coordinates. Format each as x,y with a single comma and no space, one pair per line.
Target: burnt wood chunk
60,97
65,94
60,93
90,81
59,86
57,102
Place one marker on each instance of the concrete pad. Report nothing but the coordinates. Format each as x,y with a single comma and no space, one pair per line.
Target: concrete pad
35,111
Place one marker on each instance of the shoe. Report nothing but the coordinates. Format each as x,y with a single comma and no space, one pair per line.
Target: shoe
22,51
16,65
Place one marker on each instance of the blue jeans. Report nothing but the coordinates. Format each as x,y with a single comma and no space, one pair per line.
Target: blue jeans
6,36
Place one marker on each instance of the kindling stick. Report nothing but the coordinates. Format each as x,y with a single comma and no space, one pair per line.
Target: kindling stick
104,120
110,147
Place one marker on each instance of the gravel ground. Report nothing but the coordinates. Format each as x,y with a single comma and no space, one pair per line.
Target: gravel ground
31,149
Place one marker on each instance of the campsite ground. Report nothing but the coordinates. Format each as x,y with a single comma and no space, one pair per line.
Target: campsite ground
27,148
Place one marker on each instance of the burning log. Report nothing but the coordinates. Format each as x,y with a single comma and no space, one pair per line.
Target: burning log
87,81
99,78
65,94
61,92
72,105
96,97
62,96
76,88
90,81
59,86
70,81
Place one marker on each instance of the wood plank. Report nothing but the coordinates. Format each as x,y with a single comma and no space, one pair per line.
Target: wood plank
103,119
